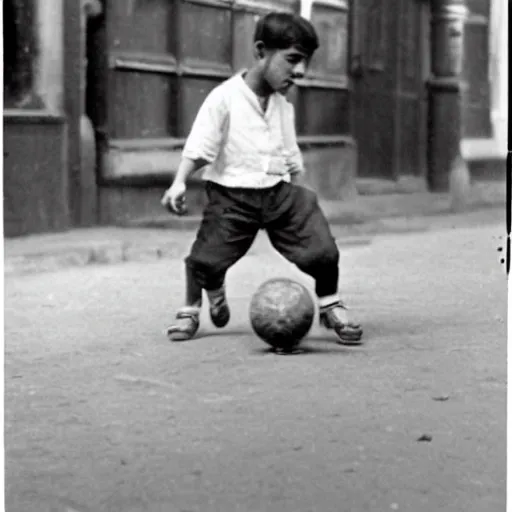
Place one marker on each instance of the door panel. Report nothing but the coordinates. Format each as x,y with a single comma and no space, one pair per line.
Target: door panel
149,101
140,26
411,97
373,85
388,87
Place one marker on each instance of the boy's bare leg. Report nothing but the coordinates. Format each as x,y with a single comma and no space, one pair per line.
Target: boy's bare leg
218,246
219,309
301,233
334,313
186,323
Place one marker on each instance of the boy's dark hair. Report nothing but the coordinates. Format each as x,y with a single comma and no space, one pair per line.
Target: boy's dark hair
282,30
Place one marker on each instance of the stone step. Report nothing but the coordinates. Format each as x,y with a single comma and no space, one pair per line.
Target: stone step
486,159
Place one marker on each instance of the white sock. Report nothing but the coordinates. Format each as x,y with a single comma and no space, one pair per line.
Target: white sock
192,310
328,301
216,296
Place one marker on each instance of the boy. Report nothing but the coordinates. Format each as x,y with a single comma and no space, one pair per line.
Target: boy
245,130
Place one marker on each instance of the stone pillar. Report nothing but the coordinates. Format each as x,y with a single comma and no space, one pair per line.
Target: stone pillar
444,158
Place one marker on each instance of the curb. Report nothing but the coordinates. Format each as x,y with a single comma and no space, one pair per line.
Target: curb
351,229
96,254
348,218
113,253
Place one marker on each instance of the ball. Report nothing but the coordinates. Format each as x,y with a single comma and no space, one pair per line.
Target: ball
282,313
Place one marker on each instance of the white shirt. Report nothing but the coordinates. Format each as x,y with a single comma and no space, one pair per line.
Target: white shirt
246,147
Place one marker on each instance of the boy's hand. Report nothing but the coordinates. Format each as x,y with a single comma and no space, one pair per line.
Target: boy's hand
174,198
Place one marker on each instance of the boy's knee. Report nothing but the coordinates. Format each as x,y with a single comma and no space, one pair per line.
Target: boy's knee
327,255
320,255
204,265
206,270
333,253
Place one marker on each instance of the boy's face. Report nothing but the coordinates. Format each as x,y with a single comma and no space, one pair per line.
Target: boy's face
280,68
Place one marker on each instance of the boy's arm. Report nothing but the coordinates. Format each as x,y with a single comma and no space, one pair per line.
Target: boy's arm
174,197
206,135
201,148
187,167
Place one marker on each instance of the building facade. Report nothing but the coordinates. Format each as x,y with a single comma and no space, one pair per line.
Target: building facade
485,96
99,97
35,181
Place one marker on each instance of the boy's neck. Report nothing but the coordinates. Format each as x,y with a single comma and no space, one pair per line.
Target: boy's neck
254,80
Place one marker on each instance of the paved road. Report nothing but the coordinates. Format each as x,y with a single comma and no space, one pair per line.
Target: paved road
103,414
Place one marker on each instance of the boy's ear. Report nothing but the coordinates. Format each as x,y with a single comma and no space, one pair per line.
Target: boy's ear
259,50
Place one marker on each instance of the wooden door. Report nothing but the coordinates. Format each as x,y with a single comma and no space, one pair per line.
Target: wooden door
412,72
387,71
162,57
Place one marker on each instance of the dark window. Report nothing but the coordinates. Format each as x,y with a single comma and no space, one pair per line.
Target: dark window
20,54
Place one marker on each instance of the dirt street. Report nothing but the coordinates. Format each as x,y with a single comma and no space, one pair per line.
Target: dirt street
102,413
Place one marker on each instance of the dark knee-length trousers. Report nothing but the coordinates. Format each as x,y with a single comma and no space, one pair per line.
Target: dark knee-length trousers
295,224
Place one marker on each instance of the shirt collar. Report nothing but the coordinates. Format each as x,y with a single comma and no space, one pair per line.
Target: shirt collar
251,95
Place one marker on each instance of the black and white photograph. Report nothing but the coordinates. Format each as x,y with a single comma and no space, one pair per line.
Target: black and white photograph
256,255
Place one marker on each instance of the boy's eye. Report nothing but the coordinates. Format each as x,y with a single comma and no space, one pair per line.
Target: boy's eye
294,60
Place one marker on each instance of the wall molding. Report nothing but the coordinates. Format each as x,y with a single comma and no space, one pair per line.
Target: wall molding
259,6
19,116
139,160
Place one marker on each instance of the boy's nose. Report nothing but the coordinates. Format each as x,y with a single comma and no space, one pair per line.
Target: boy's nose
299,70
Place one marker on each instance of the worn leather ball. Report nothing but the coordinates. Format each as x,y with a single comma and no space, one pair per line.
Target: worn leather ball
282,313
